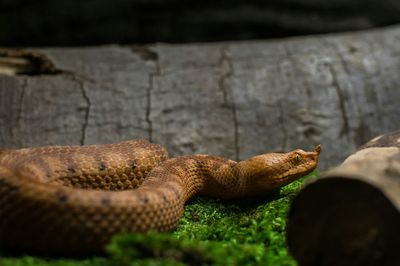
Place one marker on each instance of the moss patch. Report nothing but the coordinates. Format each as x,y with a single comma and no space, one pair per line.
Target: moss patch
211,232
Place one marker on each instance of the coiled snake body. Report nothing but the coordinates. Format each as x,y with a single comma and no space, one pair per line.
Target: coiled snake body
72,199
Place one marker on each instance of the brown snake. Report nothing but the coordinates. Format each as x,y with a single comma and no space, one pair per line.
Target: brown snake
72,199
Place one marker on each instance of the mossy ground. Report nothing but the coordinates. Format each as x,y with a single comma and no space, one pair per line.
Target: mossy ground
246,232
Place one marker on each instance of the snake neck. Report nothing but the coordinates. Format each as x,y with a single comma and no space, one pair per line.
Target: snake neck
197,174
226,179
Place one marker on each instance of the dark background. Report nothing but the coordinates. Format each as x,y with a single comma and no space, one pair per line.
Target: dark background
91,22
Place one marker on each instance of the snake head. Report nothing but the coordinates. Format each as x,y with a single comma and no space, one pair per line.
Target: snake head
298,163
273,170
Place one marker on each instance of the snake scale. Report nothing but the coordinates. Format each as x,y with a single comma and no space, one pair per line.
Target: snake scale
72,199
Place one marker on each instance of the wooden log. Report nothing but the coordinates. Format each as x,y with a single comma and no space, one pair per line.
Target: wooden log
351,216
232,99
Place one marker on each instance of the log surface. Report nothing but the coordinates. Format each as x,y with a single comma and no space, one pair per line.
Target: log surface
233,99
351,216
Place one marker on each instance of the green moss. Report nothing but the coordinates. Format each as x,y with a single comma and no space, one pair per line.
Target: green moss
211,232
34,261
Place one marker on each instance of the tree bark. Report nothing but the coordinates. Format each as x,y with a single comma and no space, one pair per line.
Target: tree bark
352,215
233,99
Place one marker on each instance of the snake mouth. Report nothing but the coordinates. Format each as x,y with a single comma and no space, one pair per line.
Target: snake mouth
318,149
311,159
313,156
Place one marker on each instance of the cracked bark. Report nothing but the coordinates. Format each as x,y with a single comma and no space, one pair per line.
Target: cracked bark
80,80
275,95
147,54
87,112
341,100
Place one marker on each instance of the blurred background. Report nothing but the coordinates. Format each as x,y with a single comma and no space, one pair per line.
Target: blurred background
92,22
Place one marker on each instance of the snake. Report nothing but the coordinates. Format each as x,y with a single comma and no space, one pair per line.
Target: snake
73,199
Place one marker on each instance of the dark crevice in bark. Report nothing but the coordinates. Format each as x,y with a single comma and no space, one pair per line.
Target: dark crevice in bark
359,138
345,130
148,54
225,61
80,80
340,55
87,111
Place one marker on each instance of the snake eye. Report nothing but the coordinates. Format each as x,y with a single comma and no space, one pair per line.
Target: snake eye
297,158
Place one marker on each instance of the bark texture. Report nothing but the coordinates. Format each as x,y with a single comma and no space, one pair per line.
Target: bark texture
234,99
352,215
